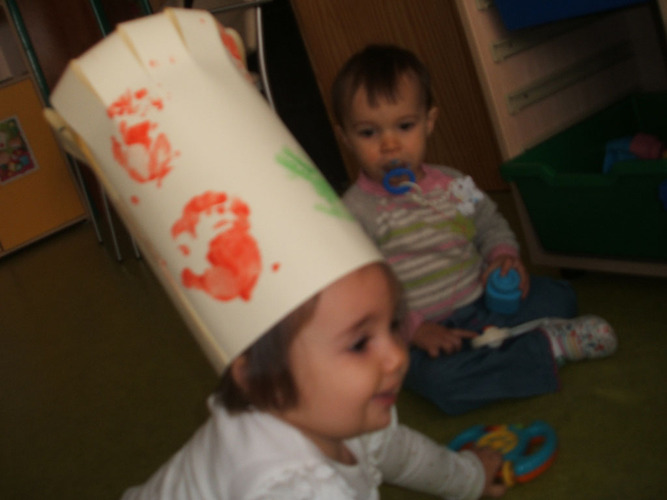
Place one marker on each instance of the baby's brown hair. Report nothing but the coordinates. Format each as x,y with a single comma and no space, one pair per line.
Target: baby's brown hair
378,69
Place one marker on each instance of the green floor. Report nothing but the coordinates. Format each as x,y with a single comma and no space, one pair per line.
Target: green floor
101,383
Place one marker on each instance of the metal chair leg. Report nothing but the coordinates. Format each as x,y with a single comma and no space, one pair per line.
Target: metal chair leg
86,197
107,211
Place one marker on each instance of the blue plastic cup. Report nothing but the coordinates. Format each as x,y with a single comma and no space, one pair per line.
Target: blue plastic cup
502,292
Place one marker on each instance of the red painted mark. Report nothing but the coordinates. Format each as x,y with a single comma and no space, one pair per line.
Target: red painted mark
233,255
137,134
124,105
140,148
134,199
275,267
185,250
231,45
202,204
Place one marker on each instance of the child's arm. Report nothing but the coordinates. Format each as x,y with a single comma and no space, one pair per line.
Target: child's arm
494,236
497,243
436,339
408,458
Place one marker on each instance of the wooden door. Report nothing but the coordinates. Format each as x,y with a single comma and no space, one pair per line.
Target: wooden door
464,137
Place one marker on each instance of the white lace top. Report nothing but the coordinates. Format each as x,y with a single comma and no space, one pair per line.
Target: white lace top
255,456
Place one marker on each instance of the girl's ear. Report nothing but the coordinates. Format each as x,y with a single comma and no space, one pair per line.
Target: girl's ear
238,371
431,117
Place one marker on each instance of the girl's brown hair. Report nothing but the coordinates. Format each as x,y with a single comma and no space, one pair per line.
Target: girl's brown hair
268,382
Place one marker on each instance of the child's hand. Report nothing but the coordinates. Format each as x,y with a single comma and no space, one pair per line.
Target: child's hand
492,461
505,263
434,338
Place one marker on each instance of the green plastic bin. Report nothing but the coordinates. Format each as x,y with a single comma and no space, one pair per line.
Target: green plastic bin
575,208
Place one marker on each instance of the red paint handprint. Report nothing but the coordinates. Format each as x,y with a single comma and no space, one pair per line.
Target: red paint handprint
140,148
233,255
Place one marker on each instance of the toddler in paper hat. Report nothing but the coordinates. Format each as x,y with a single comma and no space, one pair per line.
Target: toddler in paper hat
285,294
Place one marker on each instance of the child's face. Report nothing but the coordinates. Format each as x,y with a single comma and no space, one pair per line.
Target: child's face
348,361
390,133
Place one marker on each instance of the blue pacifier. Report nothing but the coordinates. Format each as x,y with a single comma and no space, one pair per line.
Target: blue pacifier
398,172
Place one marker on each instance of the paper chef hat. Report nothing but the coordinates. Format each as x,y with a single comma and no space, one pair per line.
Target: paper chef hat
236,221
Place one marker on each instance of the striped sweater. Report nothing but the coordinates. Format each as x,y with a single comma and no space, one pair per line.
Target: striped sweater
437,238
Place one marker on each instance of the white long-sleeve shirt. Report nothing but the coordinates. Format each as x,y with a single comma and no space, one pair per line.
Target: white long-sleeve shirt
254,456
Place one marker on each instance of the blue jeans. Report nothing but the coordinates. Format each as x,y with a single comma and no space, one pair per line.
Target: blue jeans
523,366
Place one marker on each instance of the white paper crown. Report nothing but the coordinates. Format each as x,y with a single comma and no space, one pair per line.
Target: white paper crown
237,222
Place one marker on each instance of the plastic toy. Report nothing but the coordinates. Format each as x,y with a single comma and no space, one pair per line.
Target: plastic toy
402,188
528,451
493,336
637,147
662,194
502,292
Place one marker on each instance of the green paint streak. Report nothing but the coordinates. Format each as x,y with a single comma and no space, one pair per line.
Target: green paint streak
301,168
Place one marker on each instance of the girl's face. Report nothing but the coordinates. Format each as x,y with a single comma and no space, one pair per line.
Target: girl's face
389,134
348,362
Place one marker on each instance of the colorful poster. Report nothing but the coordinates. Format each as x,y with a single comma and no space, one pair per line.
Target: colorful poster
16,158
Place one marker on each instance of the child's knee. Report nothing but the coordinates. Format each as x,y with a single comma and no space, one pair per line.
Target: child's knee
558,294
566,299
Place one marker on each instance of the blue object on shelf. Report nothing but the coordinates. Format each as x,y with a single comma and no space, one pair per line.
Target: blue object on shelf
517,14
662,193
502,292
617,150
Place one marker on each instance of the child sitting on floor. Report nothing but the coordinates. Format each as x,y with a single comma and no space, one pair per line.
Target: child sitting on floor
443,237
